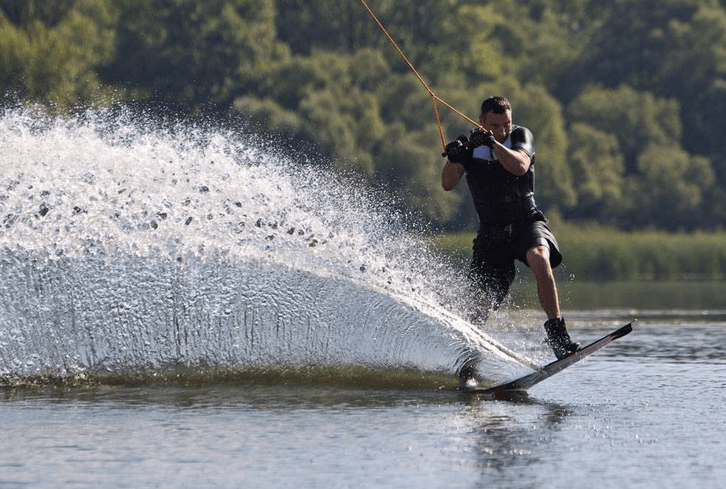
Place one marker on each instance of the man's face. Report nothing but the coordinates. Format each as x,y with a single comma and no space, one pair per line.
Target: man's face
500,125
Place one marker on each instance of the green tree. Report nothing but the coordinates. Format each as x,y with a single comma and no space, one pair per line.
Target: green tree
547,38
672,48
332,98
638,119
671,188
342,27
24,12
50,51
598,171
695,72
410,166
633,43
657,168
444,39
190,54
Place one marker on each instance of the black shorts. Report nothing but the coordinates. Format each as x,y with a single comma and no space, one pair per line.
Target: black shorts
496,248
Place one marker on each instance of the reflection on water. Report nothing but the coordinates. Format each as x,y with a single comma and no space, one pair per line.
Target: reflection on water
577,293
646,296
295,437
507,434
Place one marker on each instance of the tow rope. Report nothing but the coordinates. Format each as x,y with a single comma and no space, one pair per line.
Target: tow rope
434,98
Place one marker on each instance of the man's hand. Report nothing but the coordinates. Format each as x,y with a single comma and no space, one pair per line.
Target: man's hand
458,151
480,137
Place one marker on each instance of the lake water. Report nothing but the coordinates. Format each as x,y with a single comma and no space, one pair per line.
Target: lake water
644,412
183,308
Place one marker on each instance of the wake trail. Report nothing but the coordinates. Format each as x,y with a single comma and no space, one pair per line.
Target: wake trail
130,248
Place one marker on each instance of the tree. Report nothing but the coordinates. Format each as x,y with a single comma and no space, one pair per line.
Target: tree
191,54
658,171
670,192
637,119
598,171
674,49
329,25
50,51
547,38
24,12
633,43
444,39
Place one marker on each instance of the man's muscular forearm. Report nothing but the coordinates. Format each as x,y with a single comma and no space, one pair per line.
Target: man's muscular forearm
514,161
450,175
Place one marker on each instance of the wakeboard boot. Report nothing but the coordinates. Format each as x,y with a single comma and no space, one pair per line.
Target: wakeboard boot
558,339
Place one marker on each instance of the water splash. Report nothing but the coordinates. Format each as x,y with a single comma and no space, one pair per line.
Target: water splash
127,249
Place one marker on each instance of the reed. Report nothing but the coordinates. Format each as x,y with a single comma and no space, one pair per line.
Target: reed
594,253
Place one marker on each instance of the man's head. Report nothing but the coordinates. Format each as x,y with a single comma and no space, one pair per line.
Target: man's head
496,117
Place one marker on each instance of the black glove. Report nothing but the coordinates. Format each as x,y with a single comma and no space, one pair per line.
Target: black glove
459,150
479,137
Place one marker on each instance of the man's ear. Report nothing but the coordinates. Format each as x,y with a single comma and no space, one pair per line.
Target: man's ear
482,119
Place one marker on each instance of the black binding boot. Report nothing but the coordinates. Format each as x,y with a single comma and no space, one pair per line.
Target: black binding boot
558,339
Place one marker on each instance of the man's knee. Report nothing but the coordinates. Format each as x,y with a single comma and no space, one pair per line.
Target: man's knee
538,257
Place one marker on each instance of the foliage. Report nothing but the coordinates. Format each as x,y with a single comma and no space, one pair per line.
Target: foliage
598,167
50,51
625,138
189,54
626,99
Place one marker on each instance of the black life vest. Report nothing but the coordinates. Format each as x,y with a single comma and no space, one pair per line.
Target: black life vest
501,197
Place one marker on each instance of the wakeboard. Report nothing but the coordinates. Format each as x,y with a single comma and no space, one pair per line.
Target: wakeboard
522,384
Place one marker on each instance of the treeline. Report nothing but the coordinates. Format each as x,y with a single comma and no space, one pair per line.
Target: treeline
626,99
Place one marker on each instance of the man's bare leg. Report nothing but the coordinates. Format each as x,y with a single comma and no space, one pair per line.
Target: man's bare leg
538,259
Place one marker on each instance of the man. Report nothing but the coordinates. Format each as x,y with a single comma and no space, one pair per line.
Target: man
498,160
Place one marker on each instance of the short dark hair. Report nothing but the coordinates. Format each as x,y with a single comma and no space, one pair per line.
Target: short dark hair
497,105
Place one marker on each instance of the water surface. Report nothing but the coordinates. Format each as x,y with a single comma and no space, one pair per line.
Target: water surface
643,412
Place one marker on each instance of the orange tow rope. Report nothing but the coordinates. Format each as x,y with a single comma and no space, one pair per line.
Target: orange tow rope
434,97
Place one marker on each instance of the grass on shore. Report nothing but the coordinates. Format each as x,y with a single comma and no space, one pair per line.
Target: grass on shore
598,253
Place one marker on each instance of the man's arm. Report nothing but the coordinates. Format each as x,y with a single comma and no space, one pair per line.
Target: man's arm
518,159
515,161
451,174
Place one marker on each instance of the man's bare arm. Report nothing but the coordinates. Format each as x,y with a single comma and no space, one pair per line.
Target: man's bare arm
451,174
514,161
